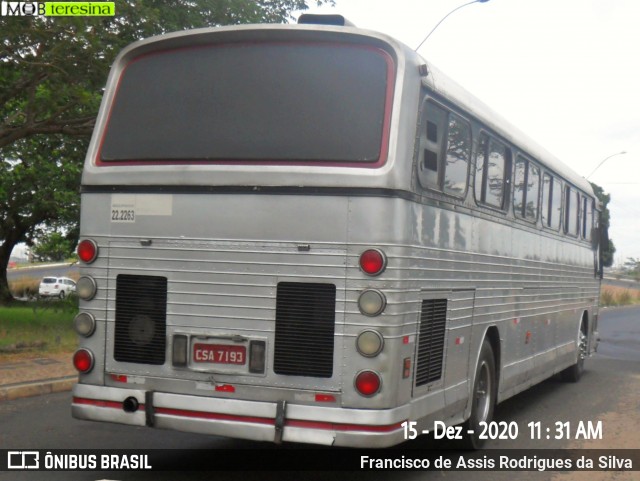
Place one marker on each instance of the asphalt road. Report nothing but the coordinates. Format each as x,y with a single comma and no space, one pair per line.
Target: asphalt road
41,271
620,331
625,283
608,393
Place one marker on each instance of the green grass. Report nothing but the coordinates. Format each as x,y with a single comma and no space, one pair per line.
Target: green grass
43,326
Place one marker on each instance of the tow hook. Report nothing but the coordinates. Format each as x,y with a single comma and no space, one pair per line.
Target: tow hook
280,416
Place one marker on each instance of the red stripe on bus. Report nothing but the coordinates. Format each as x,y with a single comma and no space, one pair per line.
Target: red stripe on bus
294,423
288,423
102,404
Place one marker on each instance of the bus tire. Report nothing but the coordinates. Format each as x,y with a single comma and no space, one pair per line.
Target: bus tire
574,373
483,397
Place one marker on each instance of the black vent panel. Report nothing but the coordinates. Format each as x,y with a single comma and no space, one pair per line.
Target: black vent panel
433,319
305,325
141,319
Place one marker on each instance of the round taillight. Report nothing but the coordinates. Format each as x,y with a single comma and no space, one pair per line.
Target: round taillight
84,324
87,251
86,288
369,343
368,383
372,302
373,262
83,360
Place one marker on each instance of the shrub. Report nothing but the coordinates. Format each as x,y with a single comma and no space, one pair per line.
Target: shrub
624,298
607,297
618,296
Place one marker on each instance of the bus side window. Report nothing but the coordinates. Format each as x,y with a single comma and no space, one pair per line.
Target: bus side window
492,164
587,218
456,170
571,211
433,125
547,183
533,192
526,189
519,185
445,150
576,212
551,202
556,205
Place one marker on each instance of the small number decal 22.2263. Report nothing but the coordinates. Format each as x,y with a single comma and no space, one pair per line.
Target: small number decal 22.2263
123,215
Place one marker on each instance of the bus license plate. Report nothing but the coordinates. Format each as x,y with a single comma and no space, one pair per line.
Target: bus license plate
220,354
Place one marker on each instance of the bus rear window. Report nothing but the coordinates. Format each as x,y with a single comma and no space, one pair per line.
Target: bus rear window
273,102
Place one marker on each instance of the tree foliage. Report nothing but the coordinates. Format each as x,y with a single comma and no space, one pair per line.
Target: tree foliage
632,267
608,248
53,246
52,75
37,190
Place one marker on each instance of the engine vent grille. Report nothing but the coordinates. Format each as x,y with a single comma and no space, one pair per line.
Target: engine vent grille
305,325
141,319
433,320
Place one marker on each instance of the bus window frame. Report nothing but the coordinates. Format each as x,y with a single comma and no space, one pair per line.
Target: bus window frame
385,141
569,191
528,162
558,181
443,148
507,173
586,231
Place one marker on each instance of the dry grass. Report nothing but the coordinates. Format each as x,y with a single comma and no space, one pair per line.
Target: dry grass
618,296
27,287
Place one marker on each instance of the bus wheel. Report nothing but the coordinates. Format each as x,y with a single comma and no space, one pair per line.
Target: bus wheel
574,373
483,397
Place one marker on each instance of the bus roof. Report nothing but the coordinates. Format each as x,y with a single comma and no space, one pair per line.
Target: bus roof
435,80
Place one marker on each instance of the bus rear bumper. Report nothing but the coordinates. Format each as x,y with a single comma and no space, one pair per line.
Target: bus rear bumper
254,420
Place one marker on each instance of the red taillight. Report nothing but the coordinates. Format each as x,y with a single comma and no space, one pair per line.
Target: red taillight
406,368
83,360
225,388
373,262
325,398
368,383
87,251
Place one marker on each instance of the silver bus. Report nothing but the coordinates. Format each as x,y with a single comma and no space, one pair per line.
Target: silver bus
307,233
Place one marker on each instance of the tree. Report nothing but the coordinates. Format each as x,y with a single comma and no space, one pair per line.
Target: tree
53,246
632,267
608,249
37,191
52,74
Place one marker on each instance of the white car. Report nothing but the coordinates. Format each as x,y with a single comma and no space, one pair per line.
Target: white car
56,287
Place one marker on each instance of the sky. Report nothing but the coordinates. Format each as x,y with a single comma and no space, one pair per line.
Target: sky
565,72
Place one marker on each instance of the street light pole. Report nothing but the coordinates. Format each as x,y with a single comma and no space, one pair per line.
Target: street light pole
603,161
443,19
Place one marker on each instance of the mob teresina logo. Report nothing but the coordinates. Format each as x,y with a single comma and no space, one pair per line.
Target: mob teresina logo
58,9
